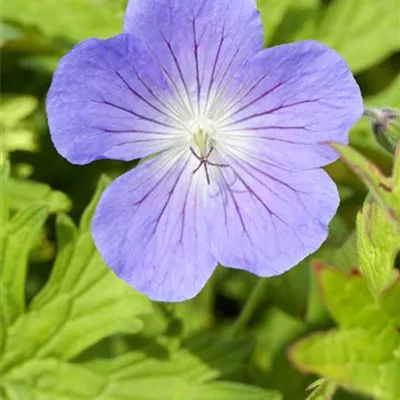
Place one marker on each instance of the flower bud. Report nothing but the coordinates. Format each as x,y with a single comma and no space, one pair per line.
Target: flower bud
385,124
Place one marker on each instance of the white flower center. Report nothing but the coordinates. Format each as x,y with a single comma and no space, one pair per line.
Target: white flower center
203,134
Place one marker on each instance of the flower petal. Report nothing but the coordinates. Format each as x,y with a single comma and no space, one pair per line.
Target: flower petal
269,219
109,99
149,228
289,99
200,44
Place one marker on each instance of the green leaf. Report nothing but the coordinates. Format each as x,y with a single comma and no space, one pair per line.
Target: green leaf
350,302
396,173
321,390
8,33
135,375
298,22
363,355
82,303
73,20
272,14
13,134
222,356
17,239
364,32
4,195
235,391
87,215
18,139
346,257
289,290
275,330
274,333
16,108
378,244
23,193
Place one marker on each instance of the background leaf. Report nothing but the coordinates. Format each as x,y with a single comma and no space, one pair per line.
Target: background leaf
371,25
23,193
71,19
17,238
133,376
362,355
378,244
272,14
82,303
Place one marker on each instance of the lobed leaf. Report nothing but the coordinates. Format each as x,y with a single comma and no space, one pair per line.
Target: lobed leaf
363,355
377,244
82,302
17,238
135,375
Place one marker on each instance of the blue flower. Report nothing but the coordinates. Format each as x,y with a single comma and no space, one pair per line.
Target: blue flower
235,133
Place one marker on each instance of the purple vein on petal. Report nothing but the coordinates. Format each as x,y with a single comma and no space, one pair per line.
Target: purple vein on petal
214,67
154,173
267,138
271,111
220,92
160,180
254,101
241,165
196,57
172,81
242,87
183,212
165,102
170,194
133,113
253,193
178,66
263,161
139,96
170,133
237,208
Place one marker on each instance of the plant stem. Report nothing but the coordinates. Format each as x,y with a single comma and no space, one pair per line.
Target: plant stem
249,307
371,112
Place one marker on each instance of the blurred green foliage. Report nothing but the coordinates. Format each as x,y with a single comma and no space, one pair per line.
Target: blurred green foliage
363,353
70,330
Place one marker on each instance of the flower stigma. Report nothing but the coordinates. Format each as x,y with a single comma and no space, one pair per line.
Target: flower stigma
203,137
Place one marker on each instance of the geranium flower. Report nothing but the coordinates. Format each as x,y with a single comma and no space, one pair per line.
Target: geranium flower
235,134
